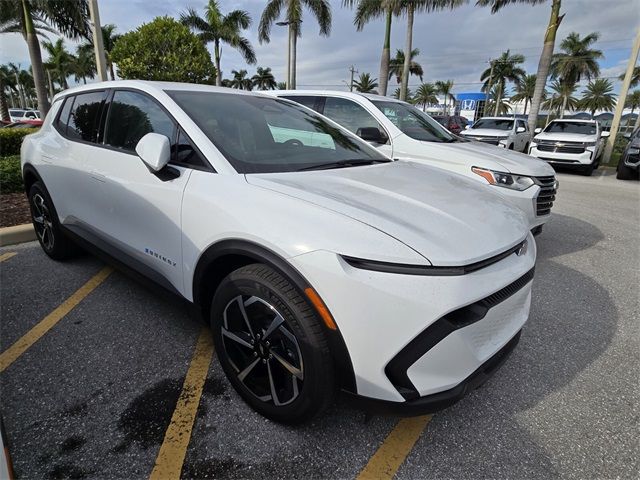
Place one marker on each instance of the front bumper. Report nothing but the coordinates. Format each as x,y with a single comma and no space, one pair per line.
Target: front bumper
583,159
380,315
527,201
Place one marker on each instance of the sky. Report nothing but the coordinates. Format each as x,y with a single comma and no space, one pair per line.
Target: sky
453,45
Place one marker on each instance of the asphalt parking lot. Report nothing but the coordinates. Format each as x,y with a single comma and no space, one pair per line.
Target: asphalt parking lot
98,377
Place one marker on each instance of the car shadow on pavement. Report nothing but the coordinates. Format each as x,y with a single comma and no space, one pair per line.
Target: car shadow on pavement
556,240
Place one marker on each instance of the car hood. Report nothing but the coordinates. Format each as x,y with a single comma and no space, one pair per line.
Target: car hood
478,154
565,137
447,218
486,132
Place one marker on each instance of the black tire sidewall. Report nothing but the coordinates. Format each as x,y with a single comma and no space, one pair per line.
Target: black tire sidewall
316,390
62,246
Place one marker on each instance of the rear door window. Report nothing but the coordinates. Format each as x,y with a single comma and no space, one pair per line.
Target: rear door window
350,115
63,118
131,116
306,100
84,118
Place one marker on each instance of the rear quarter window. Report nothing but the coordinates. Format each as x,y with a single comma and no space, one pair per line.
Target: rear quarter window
84,117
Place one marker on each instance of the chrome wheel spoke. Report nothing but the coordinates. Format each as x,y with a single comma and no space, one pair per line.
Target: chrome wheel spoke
277,321
243,374
39,219
296,372
236,338
274,394
243,312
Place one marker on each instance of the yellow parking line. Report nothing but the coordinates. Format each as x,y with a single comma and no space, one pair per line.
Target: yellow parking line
7,256
176,440
32,336
394,450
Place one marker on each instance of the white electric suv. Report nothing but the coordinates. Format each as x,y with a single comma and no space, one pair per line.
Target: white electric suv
401,131
317,261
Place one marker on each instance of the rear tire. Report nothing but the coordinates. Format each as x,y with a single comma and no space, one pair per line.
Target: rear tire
526,148
588,171
271,345
47,225
625,173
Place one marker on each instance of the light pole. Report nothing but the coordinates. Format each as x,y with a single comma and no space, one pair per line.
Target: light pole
291,53
98,47
352,70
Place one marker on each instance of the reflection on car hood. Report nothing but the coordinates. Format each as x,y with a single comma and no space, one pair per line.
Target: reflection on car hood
445,217
565,137
486,132
478,154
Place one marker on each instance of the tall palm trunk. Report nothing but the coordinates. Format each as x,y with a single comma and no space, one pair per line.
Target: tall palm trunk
113,75
217,54
294,46
564,105
498,98
526,104
51,92
4,107
385,59
545,62
404,86
35,56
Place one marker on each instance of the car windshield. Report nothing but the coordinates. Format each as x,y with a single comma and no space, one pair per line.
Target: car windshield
571,127
413,122
494,124
261,135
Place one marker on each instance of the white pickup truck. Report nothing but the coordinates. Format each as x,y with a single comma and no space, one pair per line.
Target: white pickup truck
571,143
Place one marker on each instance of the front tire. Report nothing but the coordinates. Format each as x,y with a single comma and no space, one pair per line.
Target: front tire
588,171
271,345
625,173
46,224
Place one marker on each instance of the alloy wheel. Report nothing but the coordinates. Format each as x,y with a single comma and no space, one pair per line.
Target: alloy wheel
42,220
262,349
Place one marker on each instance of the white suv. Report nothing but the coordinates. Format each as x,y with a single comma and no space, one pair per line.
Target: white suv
400,130
570,143
317,261
509,133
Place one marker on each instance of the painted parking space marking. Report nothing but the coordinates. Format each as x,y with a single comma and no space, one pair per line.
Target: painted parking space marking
394,450
7,256
12,353
176,440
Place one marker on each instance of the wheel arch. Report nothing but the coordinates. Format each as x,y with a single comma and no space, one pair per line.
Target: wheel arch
223,257
30,176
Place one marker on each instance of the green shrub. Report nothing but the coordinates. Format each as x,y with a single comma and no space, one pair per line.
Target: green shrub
11,139
10,175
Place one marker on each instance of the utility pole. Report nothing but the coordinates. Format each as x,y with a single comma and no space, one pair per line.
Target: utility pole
98,47
352,70
622,98
489,85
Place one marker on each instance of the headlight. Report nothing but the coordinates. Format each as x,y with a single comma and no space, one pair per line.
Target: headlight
590,144
634,151
507,180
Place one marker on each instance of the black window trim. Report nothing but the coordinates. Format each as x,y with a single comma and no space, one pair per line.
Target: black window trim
104,114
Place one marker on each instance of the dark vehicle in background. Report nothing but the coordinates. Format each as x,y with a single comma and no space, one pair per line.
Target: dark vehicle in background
629,164
453,123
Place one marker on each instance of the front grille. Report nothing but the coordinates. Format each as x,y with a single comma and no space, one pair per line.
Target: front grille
547,194
489,140
575,148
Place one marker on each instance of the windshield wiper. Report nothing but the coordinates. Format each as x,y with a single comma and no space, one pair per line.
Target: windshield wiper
342,164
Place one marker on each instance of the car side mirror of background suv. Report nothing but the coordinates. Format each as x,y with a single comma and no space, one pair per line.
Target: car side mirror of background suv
371,134
538,130
521,130
155,151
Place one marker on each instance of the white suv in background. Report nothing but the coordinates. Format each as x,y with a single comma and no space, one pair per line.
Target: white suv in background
570,143
401,131
319,263
509,133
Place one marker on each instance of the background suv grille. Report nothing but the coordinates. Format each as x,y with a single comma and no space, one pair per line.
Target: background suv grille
565,148
547,194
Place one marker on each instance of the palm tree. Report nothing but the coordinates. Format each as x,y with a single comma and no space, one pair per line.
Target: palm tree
365,83
525,90
635,77
240,80
320,9
427,93
633,102
264,79
505,69
547,50
84,63
598,96
396,67
69,18
15,72
577,59
444,88
218,28
497,102
6,83
281,86
367,10
60,61
396,94
410,8
562,98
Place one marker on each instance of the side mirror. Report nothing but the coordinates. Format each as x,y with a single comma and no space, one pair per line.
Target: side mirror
627,136
154,150
605,134
538,130
371,134
521,130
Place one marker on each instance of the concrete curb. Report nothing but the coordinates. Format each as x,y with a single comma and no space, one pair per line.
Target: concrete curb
17,234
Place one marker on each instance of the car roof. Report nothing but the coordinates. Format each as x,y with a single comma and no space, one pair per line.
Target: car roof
337,93
499,118
573,120
154,87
